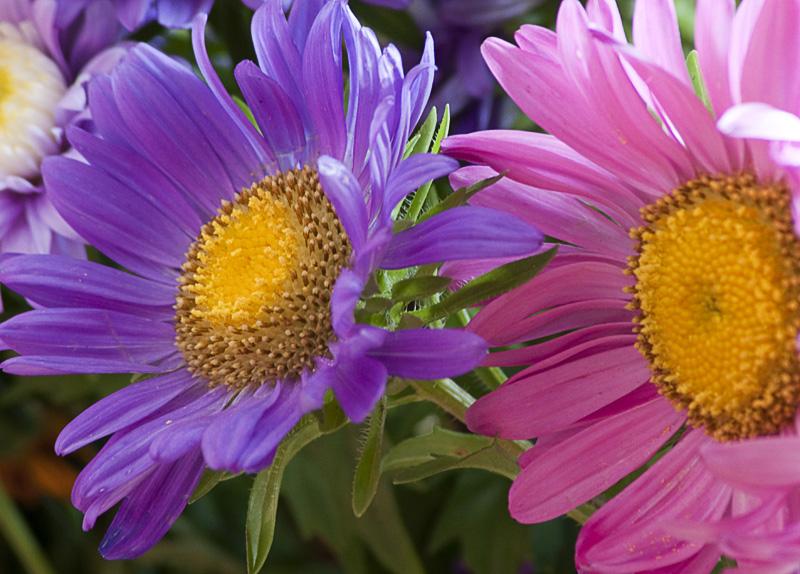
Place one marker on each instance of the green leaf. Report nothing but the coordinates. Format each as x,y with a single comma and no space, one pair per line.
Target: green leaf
317,490
421,142
419,287
446,394
246,109
460,196
331,417
208,482
693,63
368,468
441,450
263,504
475,516
487,286
422,193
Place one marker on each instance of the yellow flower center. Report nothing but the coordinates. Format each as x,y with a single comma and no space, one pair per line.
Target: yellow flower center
31,86
254,299
717,290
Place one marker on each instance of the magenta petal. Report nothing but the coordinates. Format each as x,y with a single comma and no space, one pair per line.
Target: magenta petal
656,35
712,37
560,478
628,533
759,463
553,399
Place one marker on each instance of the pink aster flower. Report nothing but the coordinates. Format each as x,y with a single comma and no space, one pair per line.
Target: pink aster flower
670,315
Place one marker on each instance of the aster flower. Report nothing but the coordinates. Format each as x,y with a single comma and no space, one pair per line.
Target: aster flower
670,314
460,26
47,52
249,251
133,14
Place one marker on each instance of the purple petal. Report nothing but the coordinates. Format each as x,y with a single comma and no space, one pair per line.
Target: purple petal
243,438
322,69
32,365
148,183
89,334
358,382
347,198
151,509
112,216
121,409
413,173
429,353
57,281
275,114
462,233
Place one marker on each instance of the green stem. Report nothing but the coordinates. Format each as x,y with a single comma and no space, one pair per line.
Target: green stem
446,394
20,537
491,377
451,398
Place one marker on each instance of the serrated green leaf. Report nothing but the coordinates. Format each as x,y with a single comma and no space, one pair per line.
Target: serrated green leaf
262,506
460,196
368,469
441,450
419,287
487,286
699,85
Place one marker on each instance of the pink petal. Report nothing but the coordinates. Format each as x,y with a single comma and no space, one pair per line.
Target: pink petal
553,287
760,121
605,14
657,37
576,339
536,81
553,399
615,101
686,115
712,37
562,477
756,464
773,56
542,161
628,533
558,215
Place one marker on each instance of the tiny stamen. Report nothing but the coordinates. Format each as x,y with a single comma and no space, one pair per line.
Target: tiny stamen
254,297
717,291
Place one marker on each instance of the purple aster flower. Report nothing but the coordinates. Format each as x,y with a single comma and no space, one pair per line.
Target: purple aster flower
47,52
170,13
249,249
466,84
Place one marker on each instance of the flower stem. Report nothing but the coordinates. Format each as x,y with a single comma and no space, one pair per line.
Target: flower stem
20,538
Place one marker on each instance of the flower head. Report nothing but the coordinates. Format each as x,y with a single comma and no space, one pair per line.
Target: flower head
48,50
249,250
671,312
460,26
170,13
